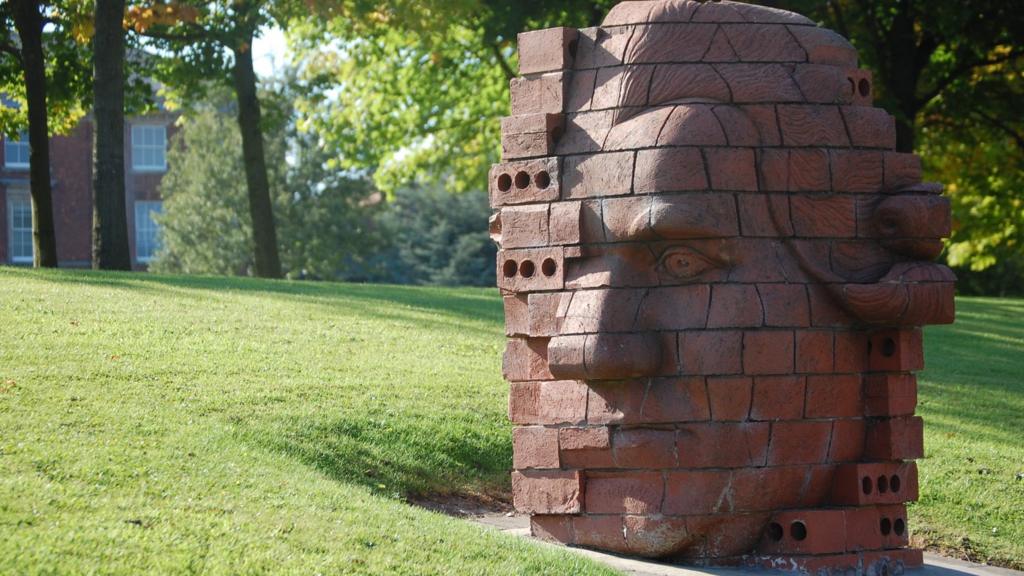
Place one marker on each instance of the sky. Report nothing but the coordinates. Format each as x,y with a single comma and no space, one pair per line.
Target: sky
269,52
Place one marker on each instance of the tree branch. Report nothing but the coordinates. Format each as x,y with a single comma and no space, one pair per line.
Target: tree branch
503,62
11,50
960,71
1002,126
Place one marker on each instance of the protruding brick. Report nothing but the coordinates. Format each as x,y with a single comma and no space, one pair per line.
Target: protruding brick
530,136
806,532
764,43
517,315
539,94
547,492
524,226
531,270
547,50
896,351
535,447
902,170
824,46
895,439
870,484
550,403
565,223
890,395
525,182
526,360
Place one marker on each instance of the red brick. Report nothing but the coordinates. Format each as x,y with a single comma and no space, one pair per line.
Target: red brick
585,447
686,216
599,175
895,439
809,171
543,313
581,93
735,306
822,84
778,398
861,87
692,125
524,182
759,83
627,219
847,441
834,396
549,403
644,448
825,311
624,493
824,46
524,226
902,170
517,315
693,492
896,351
890,395
538,94
857,171
584,132
767,353
526,360
546,50
530,136
732,169
893,526
865,484
675,81
711,352
851,351
767,489
547,492
785,305
730,398
862,529
675,400
818,486
799,442
814,352
739,129
656,537
642,129
763,117
870,127
806,532
773,170
756,215
720,50
670,170
551,528
812,126
565,223
604,532
702,445
727,535
764,43
824,216
530,270
663,45
535,447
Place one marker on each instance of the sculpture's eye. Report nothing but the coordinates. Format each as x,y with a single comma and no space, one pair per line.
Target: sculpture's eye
685,263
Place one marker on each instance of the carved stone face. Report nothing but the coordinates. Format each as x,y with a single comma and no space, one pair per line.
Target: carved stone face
713,265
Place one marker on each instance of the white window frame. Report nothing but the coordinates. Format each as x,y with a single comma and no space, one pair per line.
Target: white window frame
20,144
19,196
138,147
143,220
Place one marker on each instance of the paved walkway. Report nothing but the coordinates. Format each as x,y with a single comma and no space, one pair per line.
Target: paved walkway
520,526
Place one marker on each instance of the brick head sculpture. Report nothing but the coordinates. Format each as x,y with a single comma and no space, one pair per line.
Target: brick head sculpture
715,270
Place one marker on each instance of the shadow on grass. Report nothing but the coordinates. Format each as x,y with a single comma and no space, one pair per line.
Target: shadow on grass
408,458
468,303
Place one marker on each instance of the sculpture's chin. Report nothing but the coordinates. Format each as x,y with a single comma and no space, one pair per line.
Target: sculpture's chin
911,294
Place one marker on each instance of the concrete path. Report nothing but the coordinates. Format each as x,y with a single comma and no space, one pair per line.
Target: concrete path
520,526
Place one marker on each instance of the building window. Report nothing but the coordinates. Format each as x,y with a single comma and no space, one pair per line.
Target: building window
16,152
149,148
19,215
147,231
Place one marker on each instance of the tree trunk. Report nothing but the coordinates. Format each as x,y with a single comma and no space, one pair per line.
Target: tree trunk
28,20
110,249
268,263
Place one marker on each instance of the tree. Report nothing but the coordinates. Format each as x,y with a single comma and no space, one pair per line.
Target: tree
42,52
412,90
110,249
324,216
213,41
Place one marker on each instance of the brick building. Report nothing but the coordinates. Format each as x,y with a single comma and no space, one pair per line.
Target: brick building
146,140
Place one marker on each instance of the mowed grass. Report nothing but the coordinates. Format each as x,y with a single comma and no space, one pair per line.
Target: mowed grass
193,425
182,426
972,400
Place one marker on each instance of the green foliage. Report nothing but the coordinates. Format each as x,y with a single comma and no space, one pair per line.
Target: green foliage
322,215
416,90
435,236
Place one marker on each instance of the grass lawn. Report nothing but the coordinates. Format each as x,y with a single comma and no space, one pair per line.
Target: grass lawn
179,425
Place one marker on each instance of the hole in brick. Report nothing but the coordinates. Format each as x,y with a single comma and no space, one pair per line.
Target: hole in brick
888,347
542,180
509,269
886,526
853,85
867,485
894,483
798,530
775,531
883,484
527,269
504,182
864,87
522,180
899,527
549,267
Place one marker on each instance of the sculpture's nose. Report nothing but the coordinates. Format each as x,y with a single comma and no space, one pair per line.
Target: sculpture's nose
913,225
599,338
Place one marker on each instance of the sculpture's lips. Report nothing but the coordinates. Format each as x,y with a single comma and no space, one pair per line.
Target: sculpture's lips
911,294
604,356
